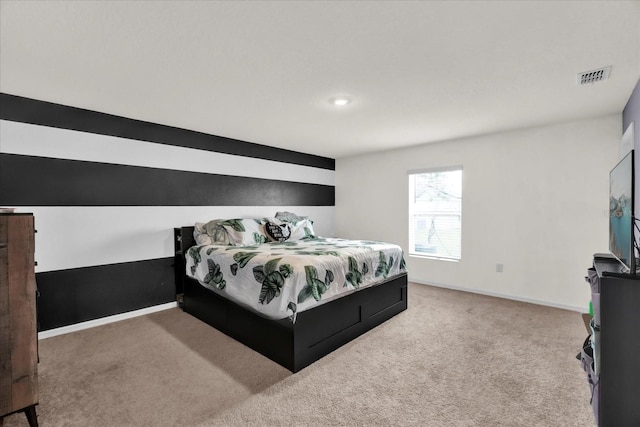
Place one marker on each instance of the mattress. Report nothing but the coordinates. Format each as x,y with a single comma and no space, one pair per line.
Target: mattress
280,279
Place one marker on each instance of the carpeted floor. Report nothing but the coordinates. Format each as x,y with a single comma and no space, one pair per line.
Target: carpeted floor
451,359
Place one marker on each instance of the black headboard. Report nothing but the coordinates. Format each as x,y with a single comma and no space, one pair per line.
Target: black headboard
182,240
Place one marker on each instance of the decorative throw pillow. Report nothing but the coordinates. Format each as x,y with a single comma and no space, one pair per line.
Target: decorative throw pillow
277,232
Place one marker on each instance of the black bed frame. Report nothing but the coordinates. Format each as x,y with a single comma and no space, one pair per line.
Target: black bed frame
315,333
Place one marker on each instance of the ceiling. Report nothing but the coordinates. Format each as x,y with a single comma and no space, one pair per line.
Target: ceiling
264,71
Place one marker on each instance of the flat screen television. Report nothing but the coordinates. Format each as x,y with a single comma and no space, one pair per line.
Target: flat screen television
621,220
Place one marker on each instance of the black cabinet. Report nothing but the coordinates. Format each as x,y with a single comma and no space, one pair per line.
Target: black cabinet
619,346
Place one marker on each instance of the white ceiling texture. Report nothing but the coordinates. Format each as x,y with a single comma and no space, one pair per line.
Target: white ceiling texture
264,71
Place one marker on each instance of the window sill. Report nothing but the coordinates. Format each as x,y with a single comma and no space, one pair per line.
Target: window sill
434,257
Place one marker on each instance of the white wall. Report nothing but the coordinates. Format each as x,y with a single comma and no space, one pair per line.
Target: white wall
535,200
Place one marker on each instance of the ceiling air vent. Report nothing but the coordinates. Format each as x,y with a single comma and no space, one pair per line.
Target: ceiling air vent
594,76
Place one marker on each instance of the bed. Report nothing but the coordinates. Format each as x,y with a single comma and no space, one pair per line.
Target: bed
300,305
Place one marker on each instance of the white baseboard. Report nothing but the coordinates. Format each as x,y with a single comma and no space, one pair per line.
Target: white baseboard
104,320
505,296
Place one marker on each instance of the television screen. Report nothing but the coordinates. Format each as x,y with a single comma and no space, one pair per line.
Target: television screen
621,222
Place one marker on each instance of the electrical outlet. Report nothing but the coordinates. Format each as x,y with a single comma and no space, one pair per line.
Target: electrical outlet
499,268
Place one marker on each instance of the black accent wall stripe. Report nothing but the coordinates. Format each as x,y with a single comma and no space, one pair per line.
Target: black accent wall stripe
41,181
27,110
81,294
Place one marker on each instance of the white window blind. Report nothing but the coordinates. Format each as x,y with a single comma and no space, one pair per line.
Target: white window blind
435,213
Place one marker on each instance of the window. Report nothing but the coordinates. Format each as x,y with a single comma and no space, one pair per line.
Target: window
435,213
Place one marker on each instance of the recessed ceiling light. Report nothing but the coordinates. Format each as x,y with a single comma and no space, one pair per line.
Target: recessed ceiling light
339,101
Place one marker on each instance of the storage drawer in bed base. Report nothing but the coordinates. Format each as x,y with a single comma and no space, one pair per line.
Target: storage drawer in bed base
316,332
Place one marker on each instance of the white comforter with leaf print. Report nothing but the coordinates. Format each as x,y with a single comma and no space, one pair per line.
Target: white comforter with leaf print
278,280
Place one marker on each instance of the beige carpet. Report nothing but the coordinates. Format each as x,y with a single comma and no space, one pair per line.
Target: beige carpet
451,359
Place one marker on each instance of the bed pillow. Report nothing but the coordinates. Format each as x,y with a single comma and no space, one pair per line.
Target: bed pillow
241,232
302,230
277,232
245,231
200,234
215,233
290,217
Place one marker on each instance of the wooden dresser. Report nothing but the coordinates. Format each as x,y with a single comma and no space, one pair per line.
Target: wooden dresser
18,324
